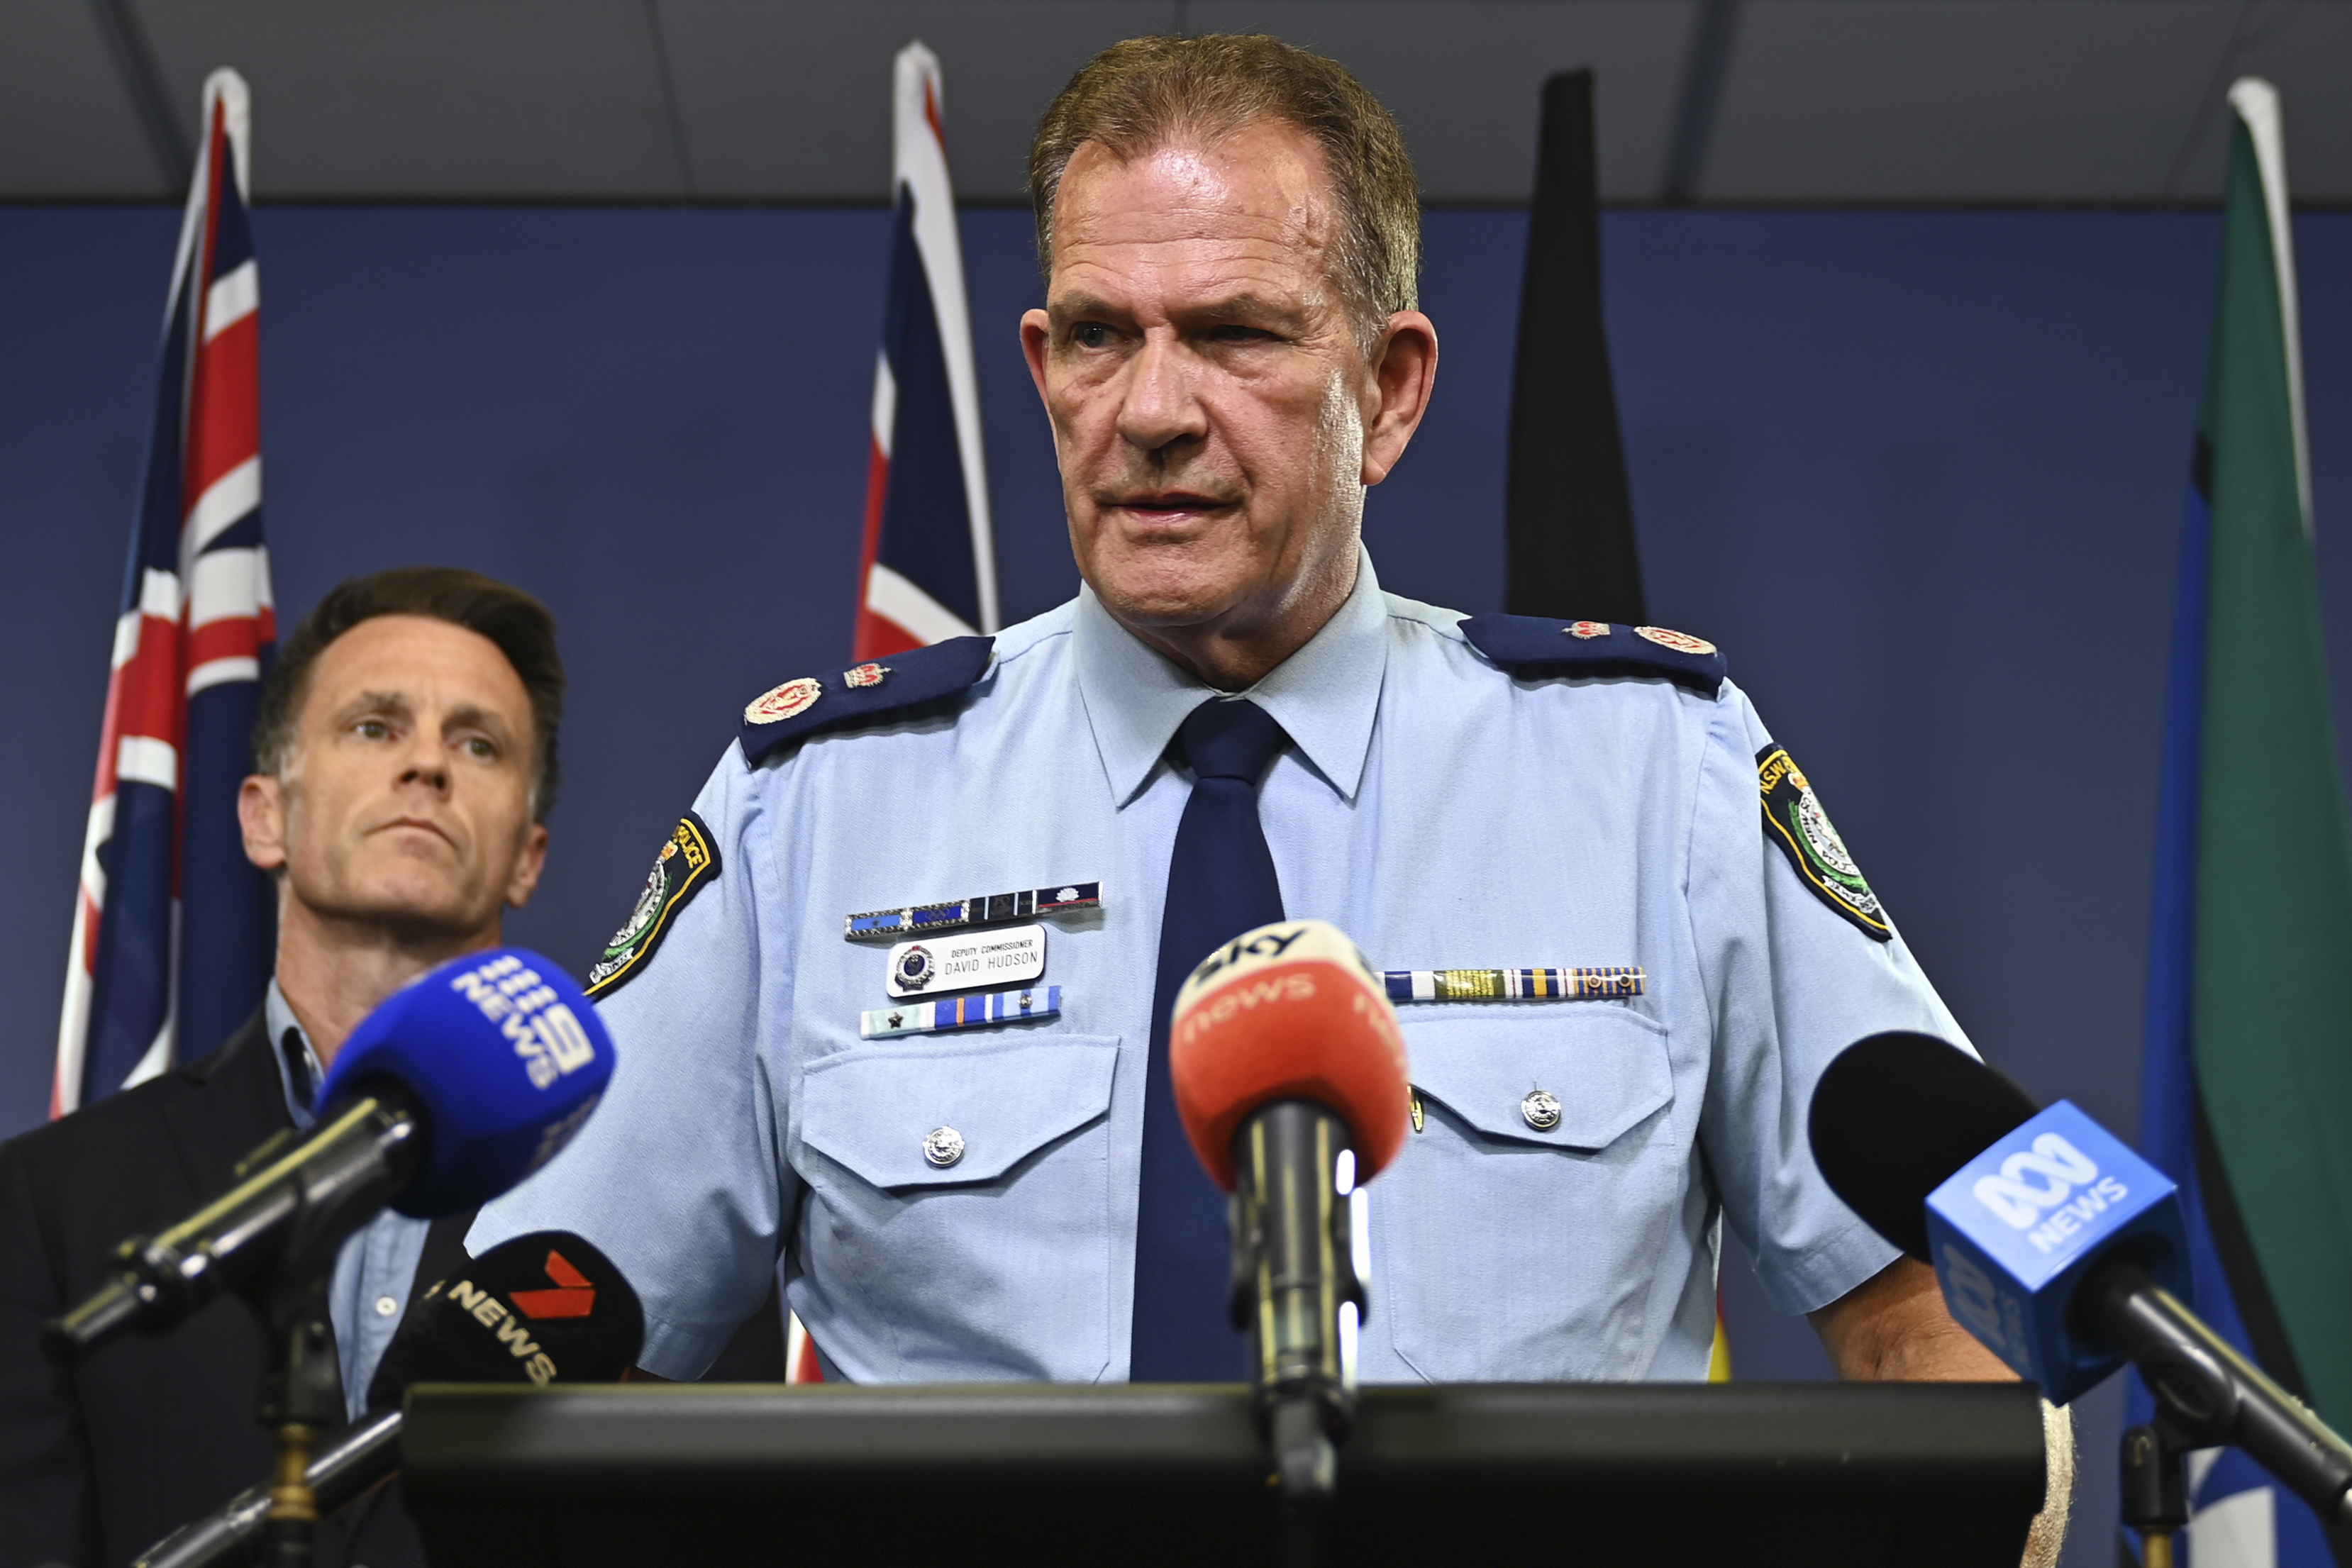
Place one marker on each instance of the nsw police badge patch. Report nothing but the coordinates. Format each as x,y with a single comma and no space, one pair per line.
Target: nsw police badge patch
1794,819
687,862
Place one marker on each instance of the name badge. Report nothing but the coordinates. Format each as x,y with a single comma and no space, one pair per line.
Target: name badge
1007,956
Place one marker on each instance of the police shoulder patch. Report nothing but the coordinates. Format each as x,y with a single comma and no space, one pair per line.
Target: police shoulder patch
689,862
1794,819
1536,645
861,693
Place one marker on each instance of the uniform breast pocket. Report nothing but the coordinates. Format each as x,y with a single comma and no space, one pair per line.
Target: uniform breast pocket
1518,1234
959,1208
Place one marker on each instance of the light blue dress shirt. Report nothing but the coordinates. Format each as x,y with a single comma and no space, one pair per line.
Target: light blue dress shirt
376,1264
1443,813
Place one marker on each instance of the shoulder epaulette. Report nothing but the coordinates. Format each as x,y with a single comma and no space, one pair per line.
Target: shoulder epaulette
861,693
1536,645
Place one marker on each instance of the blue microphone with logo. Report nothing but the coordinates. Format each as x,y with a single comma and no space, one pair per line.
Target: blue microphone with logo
451,1091
2056,1246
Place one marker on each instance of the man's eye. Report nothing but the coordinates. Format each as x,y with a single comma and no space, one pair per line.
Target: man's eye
1232,332
1090,334
482,749
374,729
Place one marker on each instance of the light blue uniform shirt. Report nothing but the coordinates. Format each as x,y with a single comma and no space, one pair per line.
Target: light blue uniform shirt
1443,813
376,1264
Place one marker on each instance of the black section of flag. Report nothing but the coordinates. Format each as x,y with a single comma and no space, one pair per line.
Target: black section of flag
1570,516
1793,818
2265,1333
688,862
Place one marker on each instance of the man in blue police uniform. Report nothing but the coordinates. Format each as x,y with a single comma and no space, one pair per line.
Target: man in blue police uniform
886,1008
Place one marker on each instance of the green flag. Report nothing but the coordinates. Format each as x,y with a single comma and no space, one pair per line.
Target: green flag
2250,1060
2273,1011
2247,1096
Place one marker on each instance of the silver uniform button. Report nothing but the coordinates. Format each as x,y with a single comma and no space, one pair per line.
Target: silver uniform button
944,1146
1542,1109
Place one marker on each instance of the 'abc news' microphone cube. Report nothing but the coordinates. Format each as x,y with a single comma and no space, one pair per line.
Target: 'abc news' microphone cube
2014,1231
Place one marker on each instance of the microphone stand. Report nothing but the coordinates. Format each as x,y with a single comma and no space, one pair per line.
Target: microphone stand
2156,1492
1293,1267
302,1391
2209,1394
302,1394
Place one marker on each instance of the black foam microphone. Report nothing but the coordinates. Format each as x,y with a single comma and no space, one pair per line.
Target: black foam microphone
1897,1114
2056,1246
542,1308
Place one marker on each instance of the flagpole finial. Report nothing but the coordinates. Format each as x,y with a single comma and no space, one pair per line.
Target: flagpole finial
2257,103
226,88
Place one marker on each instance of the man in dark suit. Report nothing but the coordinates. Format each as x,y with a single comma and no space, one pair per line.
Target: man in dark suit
405,758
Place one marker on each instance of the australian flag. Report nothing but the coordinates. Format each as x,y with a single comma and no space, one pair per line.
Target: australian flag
928,570
196,632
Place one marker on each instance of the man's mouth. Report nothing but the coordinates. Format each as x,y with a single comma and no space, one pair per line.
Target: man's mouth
1167,506
421,825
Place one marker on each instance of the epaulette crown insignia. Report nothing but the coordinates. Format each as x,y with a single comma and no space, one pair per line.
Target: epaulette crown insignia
1538,646
864,693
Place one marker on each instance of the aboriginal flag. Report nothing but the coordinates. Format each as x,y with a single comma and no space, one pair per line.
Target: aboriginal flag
145,986
928,570
2247,1097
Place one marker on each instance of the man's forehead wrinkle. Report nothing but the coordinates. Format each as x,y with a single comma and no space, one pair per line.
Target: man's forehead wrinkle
1215,186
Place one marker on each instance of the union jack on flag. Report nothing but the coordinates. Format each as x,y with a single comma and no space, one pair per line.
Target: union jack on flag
195,636
929,570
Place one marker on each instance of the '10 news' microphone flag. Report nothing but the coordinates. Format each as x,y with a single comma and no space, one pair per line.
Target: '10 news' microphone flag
2249,1066
929,570
193,638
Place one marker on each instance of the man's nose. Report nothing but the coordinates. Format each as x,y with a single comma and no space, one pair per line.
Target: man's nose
1162,405
426,764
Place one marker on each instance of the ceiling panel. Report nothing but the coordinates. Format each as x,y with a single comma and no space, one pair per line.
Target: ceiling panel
1823,100
450,99
796,97
1962,100
1464,76
68,127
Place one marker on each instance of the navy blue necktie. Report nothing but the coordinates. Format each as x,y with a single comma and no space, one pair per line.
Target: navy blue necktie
1220,882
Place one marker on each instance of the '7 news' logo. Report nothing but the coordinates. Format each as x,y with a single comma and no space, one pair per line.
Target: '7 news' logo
2035,1191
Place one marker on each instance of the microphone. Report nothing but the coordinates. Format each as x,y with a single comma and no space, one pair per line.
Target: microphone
540,1308
1289,1073
2060,1248
450,1093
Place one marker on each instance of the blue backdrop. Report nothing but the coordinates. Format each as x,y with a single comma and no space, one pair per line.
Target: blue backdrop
1920,473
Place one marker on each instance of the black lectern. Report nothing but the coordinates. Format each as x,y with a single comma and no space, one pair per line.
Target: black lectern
1811,1475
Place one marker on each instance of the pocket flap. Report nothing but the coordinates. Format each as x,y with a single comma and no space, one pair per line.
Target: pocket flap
872,1107
1606,1066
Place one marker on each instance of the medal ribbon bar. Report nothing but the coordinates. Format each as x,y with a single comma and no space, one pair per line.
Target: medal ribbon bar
1513,985
994,909
961,1012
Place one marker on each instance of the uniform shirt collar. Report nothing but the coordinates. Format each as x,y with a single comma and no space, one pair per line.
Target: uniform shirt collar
1325,695
289,1046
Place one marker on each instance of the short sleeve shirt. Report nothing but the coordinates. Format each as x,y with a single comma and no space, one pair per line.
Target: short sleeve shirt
1444,813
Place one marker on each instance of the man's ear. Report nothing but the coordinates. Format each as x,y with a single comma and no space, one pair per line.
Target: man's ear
526,867
1037,342
1403,372
261,814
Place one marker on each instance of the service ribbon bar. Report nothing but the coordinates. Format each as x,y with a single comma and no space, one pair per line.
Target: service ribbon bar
995,909
961,1012
1512,985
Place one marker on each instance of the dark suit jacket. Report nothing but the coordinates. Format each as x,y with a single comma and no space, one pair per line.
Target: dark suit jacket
101,1458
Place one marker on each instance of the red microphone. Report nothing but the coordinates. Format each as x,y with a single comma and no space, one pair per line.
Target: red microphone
1290,1071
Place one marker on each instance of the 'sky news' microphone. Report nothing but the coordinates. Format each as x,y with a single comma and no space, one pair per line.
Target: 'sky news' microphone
450,1093
2056,1245
1289,1073
538,1309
